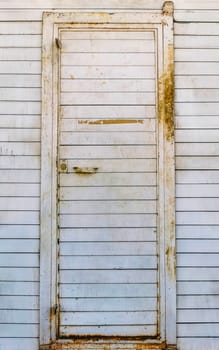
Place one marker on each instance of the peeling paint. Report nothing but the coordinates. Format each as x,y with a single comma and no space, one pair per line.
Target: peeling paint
111,121
166,97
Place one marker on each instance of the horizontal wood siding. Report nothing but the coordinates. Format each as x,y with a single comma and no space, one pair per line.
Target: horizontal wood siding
197,123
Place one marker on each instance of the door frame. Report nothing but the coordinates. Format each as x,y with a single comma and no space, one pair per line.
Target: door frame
162,24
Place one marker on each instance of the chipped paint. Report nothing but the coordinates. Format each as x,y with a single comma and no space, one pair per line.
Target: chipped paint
85,171
166,97
111,121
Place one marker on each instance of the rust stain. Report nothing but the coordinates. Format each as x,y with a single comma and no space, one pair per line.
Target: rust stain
111,121
166,98
85,171
90,345
171,262
52,313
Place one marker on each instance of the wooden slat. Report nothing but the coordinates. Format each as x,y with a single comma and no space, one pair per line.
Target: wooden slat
107,112
20,54
202,68
198,274
107,248
199,163
21,80
108,234
110,220
109,44
19,246
209,190
19,343
111,193
197,149
109,125
19,231
197,55
206,122
198,330
22,94
106,290
101,262
19,217
109,276
19,316
16,260
23,135
110,138
20,162
110,330
200,316
19,204
21,67
19,302
108,35
19,274
196,41
15,148
197,288
127,72
19,330
194,136
196,109
123,179
197,232
197,204
105,98
198,95
19,288
108,304
111,59
20,121
105,318
198,302
18,40
197,176
16,176
114,165
196,28
19,189
100,85
104,207
93,152
196,81
202,218
198,246
20,27
20,108
199,260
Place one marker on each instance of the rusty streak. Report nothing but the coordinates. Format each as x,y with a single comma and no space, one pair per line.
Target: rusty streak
111,121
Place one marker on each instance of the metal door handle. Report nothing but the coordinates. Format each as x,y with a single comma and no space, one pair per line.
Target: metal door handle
85,170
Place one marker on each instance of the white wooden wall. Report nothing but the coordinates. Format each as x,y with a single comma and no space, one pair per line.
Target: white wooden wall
197,155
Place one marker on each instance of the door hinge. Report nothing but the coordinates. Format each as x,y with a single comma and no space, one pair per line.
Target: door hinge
58,43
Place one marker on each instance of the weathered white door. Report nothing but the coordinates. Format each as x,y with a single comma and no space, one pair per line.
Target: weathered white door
107,198
107,193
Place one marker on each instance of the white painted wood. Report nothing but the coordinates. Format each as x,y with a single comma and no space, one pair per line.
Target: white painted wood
47,112
19,162
19,343
113,276
20,108
19,121
199,95
109,330
199,260
110,138
115,85
97,262
198,163
108,248
19,217
197,232
196,109
205,122
106,112
19,330
19,288
203,190
202,68
198,246
108,35
106,290
19,316
25,135
23,302
196,55
197,288
196,81
21,67
197,135
200,315
19,274
112,193
197,41
199,274
108,234
20,189
13,148
123,318
197,176
19,246
20,54
19,176
198,330
196,28
23,260
103,207
19,232
23,94
21,80
20,40
197,149
196,204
